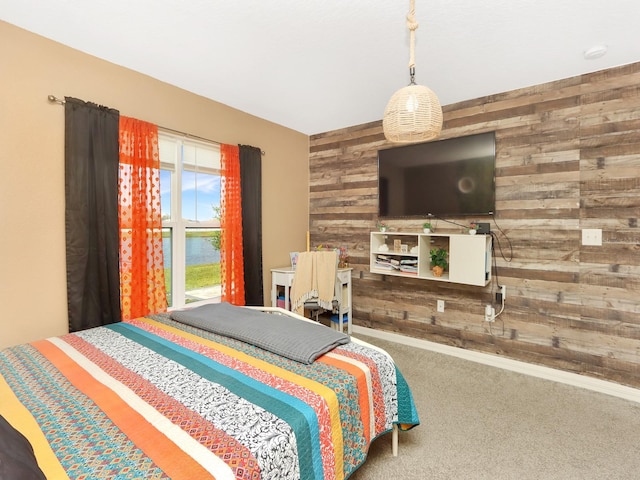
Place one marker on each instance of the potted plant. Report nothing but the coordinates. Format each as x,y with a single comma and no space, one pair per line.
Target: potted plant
439,261
473,228
426,227
381,226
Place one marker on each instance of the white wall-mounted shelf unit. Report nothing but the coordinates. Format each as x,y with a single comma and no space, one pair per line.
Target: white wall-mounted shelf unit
469,256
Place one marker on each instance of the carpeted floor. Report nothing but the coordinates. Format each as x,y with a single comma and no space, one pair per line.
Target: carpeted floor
481,422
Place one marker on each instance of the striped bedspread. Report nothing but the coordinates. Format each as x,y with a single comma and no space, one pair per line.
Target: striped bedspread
154,398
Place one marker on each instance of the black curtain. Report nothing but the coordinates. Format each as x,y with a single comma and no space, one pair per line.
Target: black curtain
251,193
91,214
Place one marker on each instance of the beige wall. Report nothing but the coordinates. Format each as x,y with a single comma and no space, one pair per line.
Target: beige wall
32,248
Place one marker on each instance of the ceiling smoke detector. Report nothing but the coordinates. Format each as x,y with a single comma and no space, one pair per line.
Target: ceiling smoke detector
595,52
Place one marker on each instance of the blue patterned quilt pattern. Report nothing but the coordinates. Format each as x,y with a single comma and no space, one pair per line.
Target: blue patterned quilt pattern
155,398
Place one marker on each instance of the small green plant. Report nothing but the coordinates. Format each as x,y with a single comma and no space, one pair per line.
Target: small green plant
427,225
473,226
439,258
381,226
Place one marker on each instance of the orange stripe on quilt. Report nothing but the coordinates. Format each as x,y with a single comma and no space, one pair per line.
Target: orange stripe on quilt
361,379
21,419
328,413
172,460
377,394
368,379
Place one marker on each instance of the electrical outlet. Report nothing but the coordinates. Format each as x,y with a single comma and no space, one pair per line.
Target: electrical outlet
489,313
501,295
440,305
592,236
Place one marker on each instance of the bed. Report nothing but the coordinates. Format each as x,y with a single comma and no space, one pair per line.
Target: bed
170,397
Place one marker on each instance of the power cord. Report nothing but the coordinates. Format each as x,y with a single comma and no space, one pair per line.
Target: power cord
431,215
495,296
500,296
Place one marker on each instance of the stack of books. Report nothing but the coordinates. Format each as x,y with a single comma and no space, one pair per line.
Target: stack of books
409,265
406,265
384,262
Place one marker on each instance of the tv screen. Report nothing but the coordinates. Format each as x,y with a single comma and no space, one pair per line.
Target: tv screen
452,177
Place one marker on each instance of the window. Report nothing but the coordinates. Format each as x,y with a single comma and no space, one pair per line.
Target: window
190,184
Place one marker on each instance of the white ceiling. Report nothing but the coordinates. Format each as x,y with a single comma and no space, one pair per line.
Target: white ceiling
320,65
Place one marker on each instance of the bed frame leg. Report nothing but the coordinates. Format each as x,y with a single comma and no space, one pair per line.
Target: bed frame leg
394,441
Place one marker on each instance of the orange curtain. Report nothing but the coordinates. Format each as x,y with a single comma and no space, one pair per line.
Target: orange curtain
231,258
142,287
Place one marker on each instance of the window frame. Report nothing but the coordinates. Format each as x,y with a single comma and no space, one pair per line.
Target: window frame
179,226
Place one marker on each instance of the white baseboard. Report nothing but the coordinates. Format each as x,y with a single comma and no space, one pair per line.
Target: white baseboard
547,373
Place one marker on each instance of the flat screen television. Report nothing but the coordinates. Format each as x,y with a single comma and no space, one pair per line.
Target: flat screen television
452,177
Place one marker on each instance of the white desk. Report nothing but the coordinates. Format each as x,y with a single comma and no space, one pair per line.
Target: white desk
283,277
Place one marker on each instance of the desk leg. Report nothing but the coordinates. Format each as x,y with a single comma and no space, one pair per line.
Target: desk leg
287,306
345,304
349,306
274,292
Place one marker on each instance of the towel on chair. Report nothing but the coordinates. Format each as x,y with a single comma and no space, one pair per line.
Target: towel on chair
314,279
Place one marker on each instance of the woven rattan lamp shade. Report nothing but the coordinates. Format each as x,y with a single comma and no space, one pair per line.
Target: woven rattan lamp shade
413,114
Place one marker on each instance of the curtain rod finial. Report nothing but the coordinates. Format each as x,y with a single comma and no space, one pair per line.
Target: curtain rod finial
54,99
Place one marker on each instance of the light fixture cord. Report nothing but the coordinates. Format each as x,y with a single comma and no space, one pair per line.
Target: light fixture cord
412,25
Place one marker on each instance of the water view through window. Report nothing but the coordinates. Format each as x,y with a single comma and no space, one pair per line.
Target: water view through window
201,264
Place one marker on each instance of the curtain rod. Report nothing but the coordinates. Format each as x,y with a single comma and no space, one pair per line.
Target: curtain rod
59,101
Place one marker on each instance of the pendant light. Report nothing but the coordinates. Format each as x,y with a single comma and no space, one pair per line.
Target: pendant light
413,113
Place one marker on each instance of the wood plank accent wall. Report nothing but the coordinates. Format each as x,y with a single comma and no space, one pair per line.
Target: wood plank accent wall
568,158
